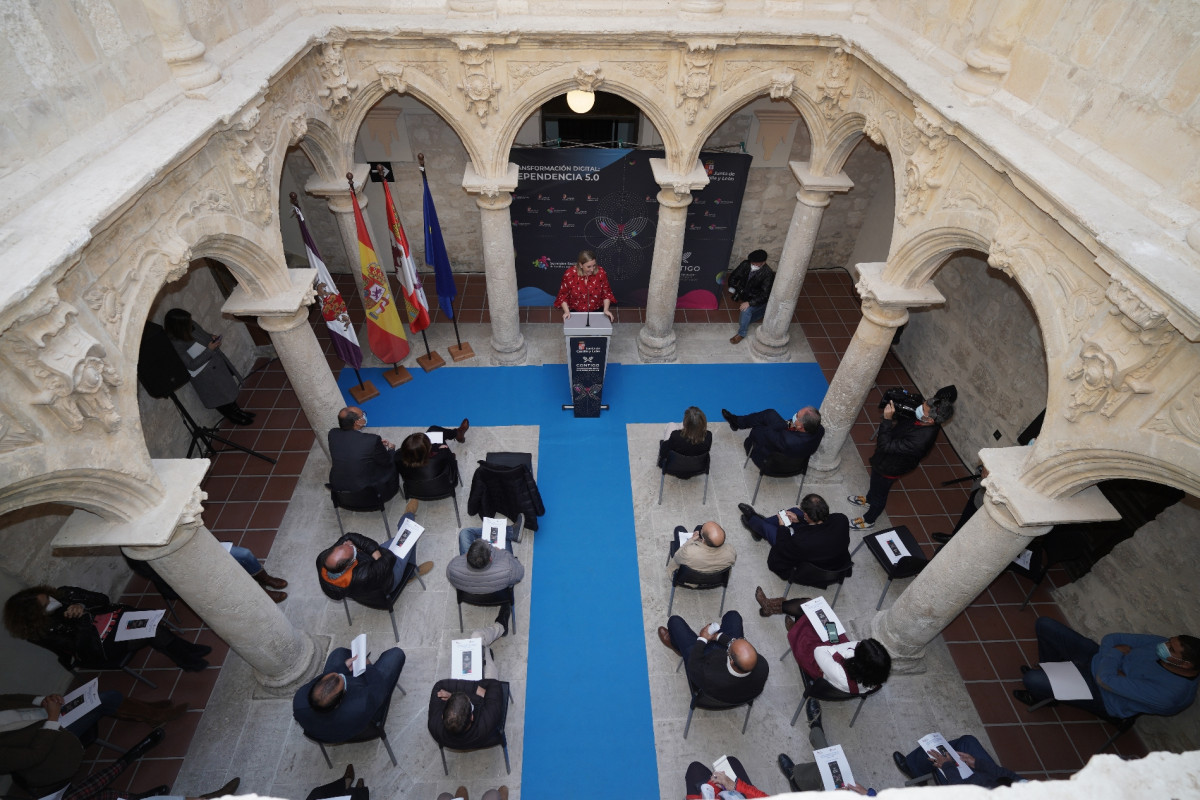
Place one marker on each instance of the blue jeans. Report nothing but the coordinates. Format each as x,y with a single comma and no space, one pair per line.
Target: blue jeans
751,314
468,535
401,563
246,559
683,637
1057,642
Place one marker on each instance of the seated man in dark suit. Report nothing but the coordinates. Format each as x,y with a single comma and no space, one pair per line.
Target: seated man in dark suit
335,705
466,715
363,459
770,433
361,569
720,663
812,537
985,771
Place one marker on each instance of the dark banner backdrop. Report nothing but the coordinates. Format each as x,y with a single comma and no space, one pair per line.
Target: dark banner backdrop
606,200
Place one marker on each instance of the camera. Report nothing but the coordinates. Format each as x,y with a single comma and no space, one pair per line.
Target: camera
906,402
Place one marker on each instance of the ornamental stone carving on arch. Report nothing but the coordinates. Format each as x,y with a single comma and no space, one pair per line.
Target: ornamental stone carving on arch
521,72
14,435
783,74
696,85
1119,357
337,87
833,87
1180,417
478,83
651,72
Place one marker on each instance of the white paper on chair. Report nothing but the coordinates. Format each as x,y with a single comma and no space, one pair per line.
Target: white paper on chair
358,651
936,742
228,546
722,765
435,436
892,547
816,608
406,536
1025,559
1065,680
495,531
466,659
833,766
138,624
684,535
79,702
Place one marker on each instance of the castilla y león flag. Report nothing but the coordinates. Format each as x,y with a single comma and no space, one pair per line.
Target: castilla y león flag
406,270
333,307
385,331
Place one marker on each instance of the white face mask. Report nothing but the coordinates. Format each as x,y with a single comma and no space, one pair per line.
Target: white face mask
52,605
921,412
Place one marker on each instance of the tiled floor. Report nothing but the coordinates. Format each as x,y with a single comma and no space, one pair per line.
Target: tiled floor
247,498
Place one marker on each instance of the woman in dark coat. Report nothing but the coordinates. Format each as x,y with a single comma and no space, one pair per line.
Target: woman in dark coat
79,627
693,439
421,459
214,377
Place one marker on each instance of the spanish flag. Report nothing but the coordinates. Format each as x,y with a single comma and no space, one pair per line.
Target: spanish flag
385,331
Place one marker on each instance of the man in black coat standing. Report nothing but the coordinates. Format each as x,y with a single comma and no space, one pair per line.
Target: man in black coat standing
899,448
720,663
750,285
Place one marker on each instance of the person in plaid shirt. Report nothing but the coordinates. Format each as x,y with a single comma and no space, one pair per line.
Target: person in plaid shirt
585,288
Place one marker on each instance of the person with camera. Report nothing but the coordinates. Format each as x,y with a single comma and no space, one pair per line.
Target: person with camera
902,442
750,285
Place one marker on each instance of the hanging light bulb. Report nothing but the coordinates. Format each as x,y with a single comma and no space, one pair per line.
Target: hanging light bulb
581,102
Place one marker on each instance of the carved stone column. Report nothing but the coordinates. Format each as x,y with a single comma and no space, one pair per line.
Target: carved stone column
171,537
494,197
770,340
980,551
307,370
656,339
184,54
884,308
337,196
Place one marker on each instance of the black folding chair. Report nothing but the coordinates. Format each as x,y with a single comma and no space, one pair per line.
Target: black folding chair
500,737
442,485
701,700
684,467
777,465
492,599
411,570
906,567
374,730
362,500
818,578
822,689
689,578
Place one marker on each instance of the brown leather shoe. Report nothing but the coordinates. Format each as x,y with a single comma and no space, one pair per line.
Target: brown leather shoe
461,792
411,507
278,597
503,792
665,637
269,581
767,606
225,790
422,569
460,433
736,338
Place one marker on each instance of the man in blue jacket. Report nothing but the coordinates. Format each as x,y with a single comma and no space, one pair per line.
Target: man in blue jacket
1128,673
336,706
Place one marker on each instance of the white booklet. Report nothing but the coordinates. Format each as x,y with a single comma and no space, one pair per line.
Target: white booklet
406,536
833,766
435,436
194,351
784,519
937,743
684,535
79,702
466,659
358,651
818,612
495,531
1065,680
1025,559
138,624
722,765
893,548
228,546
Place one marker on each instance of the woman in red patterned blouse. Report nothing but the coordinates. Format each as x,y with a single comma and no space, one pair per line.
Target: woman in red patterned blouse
585,288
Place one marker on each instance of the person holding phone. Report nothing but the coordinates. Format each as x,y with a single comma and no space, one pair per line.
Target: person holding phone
812,539
215,379
585,288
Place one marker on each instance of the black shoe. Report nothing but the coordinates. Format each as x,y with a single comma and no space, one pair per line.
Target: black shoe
902,764
1025,668
786,766
812,710
748,510
941,537
1024,696
729,418
152,740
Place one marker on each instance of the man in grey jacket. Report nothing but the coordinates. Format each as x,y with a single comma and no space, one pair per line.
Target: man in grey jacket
486,570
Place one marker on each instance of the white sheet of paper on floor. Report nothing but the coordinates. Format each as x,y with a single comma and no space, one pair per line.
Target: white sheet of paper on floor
358,649
1025,559
819,603
435,436
406,536
828,760
935,741
228,546
138,624
892,547
1065,681
495,531
722,765
684,535
79,702
466,659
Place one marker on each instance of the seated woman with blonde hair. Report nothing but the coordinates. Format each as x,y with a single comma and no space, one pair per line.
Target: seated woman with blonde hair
693,438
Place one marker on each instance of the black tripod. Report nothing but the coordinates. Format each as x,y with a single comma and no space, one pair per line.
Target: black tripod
203,438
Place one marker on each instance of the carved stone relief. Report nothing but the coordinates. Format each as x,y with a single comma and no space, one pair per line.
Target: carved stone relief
1181,417
249,161
588,78
734,72
391,77
64,364
478,83
924,142
832,87
1118,358
338,87
13,435
652,72
520,72
696,85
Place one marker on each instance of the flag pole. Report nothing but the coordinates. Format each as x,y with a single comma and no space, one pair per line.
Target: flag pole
459,351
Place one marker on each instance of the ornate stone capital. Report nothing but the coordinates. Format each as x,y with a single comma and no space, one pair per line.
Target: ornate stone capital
337,86
696,85
588,78
878,294
391,76
680,184
478,84
783,84
1026,506
491,188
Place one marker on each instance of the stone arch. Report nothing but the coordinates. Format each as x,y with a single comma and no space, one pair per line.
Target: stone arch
750,90
111,495
258,266
561,80
844,135
324,150
1066,472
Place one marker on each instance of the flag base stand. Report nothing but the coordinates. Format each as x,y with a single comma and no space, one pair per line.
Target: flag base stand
398,376
461,352
431,362
363,393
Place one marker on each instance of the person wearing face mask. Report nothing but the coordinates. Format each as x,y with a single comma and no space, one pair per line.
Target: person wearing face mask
1128,673
80,626
337,705
900,446
359,568
771,434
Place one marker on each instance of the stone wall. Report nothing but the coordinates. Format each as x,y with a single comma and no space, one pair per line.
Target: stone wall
1147,584
985,340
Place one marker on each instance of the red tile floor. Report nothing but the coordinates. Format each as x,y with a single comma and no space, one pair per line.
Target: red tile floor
989,641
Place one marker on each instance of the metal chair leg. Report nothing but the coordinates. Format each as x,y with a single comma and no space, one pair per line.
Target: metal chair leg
328,763
512,616
388,746
661,479
387,528
680,664
401,688
689,720
796,716
746,721
704,501
114,748
787,589
860,547
721,610
346,606
857,710
886,586
786,653
800,489
504,746
446,768
460,626
836,595
457,518
747,461
395,630
1029,596
339,519
140,677
752,499
671,602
